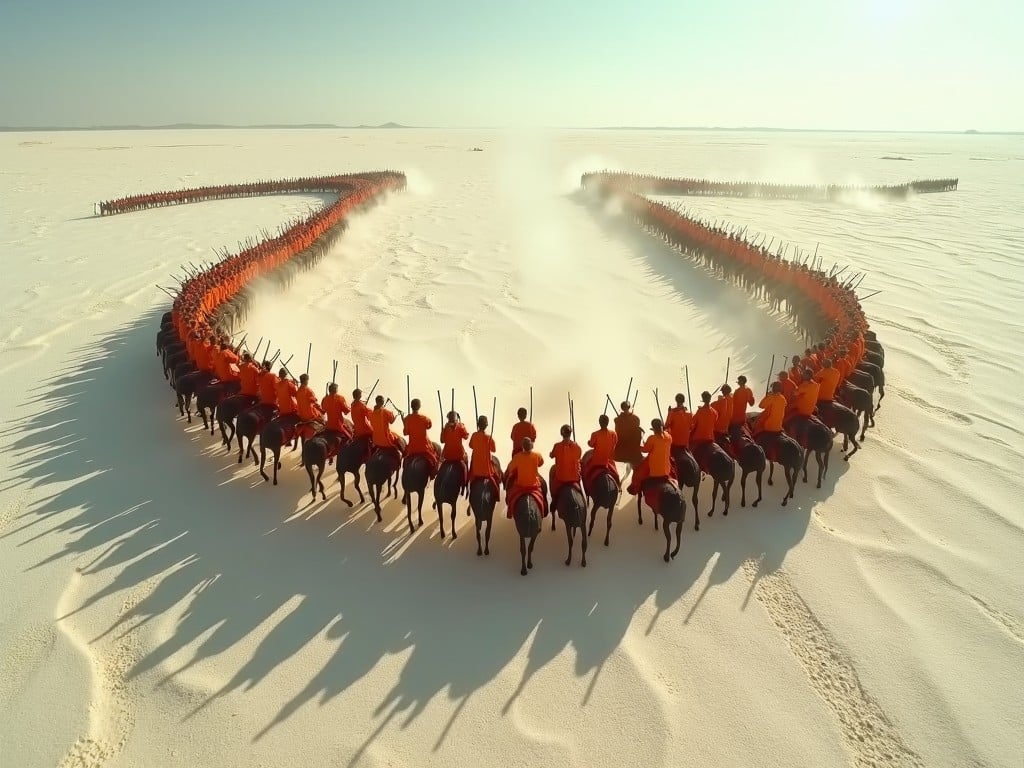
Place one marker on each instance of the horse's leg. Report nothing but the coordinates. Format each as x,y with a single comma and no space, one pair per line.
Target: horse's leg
771,472
856,447
487,537
263,461
312,479
821,467
341,481
807,456
568,538
522,555
408,513
455,505
640,507
583,540
608,528
757,477
277,463
479,548
529,552
593,517
714,496
668,543
375,494
320,482
743,487
359,487
696,514
440,517
679,536
726,494
419,508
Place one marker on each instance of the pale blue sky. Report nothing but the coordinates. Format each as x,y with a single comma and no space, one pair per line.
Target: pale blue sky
872,64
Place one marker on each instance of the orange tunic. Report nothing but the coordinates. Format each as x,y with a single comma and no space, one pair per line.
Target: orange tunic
806,398
481,446
773,412
741,398
567,455
249,374
381,420
603,442
227,358
659,454
335,407
524,466
361,426
268,388
828,378
788,388
679,424
286,391
704,421
520,430
415,427
723,407
306,404
451,438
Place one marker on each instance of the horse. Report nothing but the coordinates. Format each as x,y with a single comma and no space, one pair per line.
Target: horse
860,402
382,469
845,422
315,453
274,435
186,387
415,476
208,398
780,448
248,425
877,374
447,487
350,458
227,411
750,456
527,515
814,437
672,509
604,494
569,504
483,498
172,360
714,461
689,477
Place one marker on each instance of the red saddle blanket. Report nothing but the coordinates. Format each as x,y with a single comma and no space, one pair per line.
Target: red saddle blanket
392,453
592,471
651,491
516,492
644,471
433,461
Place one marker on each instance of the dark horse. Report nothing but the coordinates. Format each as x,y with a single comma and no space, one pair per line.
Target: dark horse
207,399
350,459
750,456
845,422
570,505
604,494
814,437
527,515
186,387
671,507
248,425
713,460
447,487
228,410
273,437
780,448
415,476
483,498
689,477
860,402
315,453
382,469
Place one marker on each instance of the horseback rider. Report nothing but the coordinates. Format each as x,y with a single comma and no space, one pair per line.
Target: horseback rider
335,408
741,398
801,409
679,423
828,381
521,429
567,470
482,448
381,420
286,391
522,477
629,433
723,408
657,466
452,435
415,426
773,412
361,427
249,378
268,390
704,420
307,407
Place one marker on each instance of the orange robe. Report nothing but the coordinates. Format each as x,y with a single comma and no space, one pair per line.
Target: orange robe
828,379
723,407
335,407
524,466
741,398
567,455
451,438
679,424
481,446
415,427
806,398
249,373
381,420
361,426
603,442
286,391
773,413
268,388
520,430
659,455
306,404
704,420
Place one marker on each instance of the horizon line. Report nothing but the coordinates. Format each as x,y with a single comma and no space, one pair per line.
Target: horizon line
399,126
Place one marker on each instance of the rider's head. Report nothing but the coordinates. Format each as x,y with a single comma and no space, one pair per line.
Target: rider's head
415,404
656,425
624,405
356,394
566,431
333,388
741,380
705,396
481,423
726,389
602,421
304,379
527,444
379,401
283,373
680,399
521,413
776,388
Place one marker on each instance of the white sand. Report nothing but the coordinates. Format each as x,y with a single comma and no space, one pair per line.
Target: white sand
164,607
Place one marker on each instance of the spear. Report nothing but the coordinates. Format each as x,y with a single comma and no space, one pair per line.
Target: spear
689,399
869,296
357,376
531,404
371,390
494,413
629,388
608,401
440,406
771,370
408,394
476,411
309,356
657,402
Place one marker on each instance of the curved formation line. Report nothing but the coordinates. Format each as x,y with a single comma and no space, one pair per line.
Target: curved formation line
825,392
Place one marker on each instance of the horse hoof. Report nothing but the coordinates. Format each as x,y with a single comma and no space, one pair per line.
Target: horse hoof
487,552
846,458
674,555
530,564
784,502
606,542
743,503
666,557
569,561
522,572
583,564
754,504
479,552
454,534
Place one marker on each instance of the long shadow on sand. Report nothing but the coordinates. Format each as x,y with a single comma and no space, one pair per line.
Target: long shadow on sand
143,507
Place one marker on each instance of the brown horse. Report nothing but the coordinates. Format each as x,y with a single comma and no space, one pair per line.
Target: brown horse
483,498
275,435
750,456
315,453
415,477
527,516
689,477
714,461
350,460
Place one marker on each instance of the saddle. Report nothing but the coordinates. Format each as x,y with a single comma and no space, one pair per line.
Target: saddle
703,452
433,463
516,492
391,452
558,487
652,488
592,471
